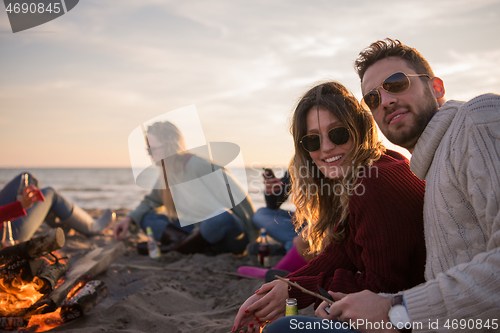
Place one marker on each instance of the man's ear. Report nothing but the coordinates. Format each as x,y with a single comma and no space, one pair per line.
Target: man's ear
437,88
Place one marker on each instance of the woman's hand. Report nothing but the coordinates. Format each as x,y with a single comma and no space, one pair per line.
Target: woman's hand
272,305
267,304
120,229
244,317
29,197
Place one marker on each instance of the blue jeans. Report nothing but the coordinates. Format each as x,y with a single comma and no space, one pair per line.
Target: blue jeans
224,231
308,324
25,227
158,222
277,223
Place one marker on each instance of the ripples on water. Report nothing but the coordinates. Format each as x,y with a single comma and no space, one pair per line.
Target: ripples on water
113,188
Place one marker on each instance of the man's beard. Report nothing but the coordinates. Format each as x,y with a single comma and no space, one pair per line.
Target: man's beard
425,113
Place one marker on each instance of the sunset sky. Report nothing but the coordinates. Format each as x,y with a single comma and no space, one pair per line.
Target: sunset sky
72,90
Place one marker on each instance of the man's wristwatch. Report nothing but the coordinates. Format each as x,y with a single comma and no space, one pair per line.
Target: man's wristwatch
398,315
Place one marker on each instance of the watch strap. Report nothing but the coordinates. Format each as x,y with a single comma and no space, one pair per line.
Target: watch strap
398,300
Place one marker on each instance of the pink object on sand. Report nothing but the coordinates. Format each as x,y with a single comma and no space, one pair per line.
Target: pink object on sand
291,262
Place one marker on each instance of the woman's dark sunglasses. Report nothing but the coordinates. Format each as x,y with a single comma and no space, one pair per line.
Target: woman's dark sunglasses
338,136
397,83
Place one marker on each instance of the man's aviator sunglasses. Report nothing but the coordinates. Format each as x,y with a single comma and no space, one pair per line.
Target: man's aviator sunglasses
338,136
397,83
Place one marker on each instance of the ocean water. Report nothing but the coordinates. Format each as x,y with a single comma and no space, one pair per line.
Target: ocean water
115,187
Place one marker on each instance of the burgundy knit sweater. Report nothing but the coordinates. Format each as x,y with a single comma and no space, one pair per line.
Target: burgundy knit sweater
385,249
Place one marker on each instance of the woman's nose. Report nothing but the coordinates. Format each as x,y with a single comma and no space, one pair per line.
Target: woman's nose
326,144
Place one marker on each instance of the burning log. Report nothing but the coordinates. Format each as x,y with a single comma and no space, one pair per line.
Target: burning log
37,266
14,269
28,268
84,300
51,274
92,264
12,322
46,277
34,248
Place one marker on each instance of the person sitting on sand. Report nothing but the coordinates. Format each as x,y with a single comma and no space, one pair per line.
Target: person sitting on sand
228,230
278,225
29,213
351,194
272,217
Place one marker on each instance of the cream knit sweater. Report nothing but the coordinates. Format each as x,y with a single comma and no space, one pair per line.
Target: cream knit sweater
458,155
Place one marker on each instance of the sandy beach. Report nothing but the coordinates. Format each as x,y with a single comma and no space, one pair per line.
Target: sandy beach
178,293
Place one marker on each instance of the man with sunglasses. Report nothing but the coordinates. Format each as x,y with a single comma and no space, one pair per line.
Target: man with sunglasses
455,147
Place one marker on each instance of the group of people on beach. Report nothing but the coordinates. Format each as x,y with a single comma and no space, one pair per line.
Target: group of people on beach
398,244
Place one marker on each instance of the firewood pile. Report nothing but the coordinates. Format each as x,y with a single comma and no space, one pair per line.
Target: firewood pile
40,289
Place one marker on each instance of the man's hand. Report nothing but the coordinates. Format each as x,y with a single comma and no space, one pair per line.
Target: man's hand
321,309
120,229
365,305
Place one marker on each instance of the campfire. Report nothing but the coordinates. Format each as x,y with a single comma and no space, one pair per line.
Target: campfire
39,290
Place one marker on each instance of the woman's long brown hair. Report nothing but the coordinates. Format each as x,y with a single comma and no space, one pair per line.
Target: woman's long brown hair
323,203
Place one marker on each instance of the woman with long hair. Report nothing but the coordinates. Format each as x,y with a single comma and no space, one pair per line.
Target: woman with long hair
221,228
359,207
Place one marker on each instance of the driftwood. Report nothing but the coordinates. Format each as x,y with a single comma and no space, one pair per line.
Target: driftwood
153,268
307,291
92,264
34,248
84,300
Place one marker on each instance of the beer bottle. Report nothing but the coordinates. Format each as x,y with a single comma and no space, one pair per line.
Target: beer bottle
7,239
153,249
264,251
291,307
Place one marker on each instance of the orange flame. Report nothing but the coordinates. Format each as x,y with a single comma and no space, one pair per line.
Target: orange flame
76,289
16,295
46,321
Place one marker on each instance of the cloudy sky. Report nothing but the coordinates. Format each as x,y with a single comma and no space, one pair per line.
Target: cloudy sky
72,90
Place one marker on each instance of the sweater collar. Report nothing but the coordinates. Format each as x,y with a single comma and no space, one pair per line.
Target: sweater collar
431,137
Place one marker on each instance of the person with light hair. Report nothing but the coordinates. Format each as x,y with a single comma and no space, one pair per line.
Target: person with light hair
213,226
